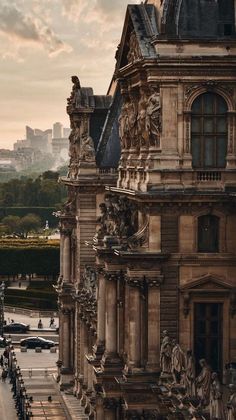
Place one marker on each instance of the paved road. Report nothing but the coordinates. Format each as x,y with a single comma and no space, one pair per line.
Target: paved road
15,338
33,322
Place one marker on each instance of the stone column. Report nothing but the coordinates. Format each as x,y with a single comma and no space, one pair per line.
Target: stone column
101,315
66,338
153,363
134,356
67,257
111,314
61,252
72,338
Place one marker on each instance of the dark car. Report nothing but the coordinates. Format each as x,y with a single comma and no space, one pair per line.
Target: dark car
32,342
16,327
4,342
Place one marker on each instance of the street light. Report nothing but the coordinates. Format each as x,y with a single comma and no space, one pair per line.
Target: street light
2,289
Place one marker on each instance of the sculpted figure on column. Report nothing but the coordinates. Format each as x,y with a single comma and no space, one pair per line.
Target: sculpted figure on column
189,375
74,138
231,405
153,121
132,122
124,126
165,353
203,382
217,411
141,119
177,362
87,152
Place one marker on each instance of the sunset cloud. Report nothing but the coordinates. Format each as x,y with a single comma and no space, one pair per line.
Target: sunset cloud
35,77
25,28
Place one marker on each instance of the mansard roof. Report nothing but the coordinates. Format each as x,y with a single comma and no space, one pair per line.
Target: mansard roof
191,19
108,150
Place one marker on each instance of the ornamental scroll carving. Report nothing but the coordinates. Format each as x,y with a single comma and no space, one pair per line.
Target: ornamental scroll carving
140,121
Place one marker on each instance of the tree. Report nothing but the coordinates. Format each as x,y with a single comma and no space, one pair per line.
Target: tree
12,223
30,223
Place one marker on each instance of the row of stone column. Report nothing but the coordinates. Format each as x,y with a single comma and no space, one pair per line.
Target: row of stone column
137,322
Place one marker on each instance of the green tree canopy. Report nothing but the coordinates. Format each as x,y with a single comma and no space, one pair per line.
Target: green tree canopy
30,223
12,223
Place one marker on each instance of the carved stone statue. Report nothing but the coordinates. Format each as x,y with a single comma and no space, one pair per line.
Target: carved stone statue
134,49
70,204
217,411
74,139
189,374
132,122
87,152
124,126
165,353
203,383
231,404
141,119
153,121
177,362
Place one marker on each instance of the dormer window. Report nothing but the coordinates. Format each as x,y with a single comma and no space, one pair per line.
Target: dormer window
209,131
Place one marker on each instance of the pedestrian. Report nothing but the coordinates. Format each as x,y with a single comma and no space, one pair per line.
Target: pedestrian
1,360
19,284
51,322
40,324
4,375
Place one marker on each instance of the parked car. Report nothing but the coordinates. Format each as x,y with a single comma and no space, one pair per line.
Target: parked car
4,342
32,342
16,327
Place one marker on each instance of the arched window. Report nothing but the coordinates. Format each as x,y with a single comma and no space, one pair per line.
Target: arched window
208,233
209,131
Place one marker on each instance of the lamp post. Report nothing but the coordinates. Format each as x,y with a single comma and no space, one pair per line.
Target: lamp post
2,289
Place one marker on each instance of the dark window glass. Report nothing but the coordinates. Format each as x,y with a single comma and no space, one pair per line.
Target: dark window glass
209,132
208,233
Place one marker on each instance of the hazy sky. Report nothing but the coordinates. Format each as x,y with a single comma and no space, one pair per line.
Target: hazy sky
43,43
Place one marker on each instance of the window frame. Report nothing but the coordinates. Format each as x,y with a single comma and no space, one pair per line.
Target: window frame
215,138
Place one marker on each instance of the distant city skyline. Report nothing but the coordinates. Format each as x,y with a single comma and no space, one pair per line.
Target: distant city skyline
42,44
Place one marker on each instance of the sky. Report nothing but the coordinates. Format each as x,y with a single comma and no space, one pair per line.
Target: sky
42,44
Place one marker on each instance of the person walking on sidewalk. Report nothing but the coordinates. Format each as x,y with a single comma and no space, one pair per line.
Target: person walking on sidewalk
40,324
4,375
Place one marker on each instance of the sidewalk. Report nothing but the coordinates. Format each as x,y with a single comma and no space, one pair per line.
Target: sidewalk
32,321
7,406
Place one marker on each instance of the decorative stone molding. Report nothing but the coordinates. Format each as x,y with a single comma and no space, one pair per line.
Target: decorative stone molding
154,282
139,238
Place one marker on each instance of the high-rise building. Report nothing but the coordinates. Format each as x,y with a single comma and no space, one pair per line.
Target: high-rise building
57,130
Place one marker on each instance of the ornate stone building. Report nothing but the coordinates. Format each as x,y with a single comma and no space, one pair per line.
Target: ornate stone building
148,234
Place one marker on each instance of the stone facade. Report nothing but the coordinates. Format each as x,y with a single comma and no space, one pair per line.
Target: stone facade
152,247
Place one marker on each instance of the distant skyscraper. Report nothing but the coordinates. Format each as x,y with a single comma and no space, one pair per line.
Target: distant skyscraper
66,132
57,130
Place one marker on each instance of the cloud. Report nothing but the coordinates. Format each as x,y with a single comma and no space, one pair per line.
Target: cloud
26,28
95,10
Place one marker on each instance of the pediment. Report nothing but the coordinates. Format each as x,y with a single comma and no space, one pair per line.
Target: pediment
208,282
139,27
